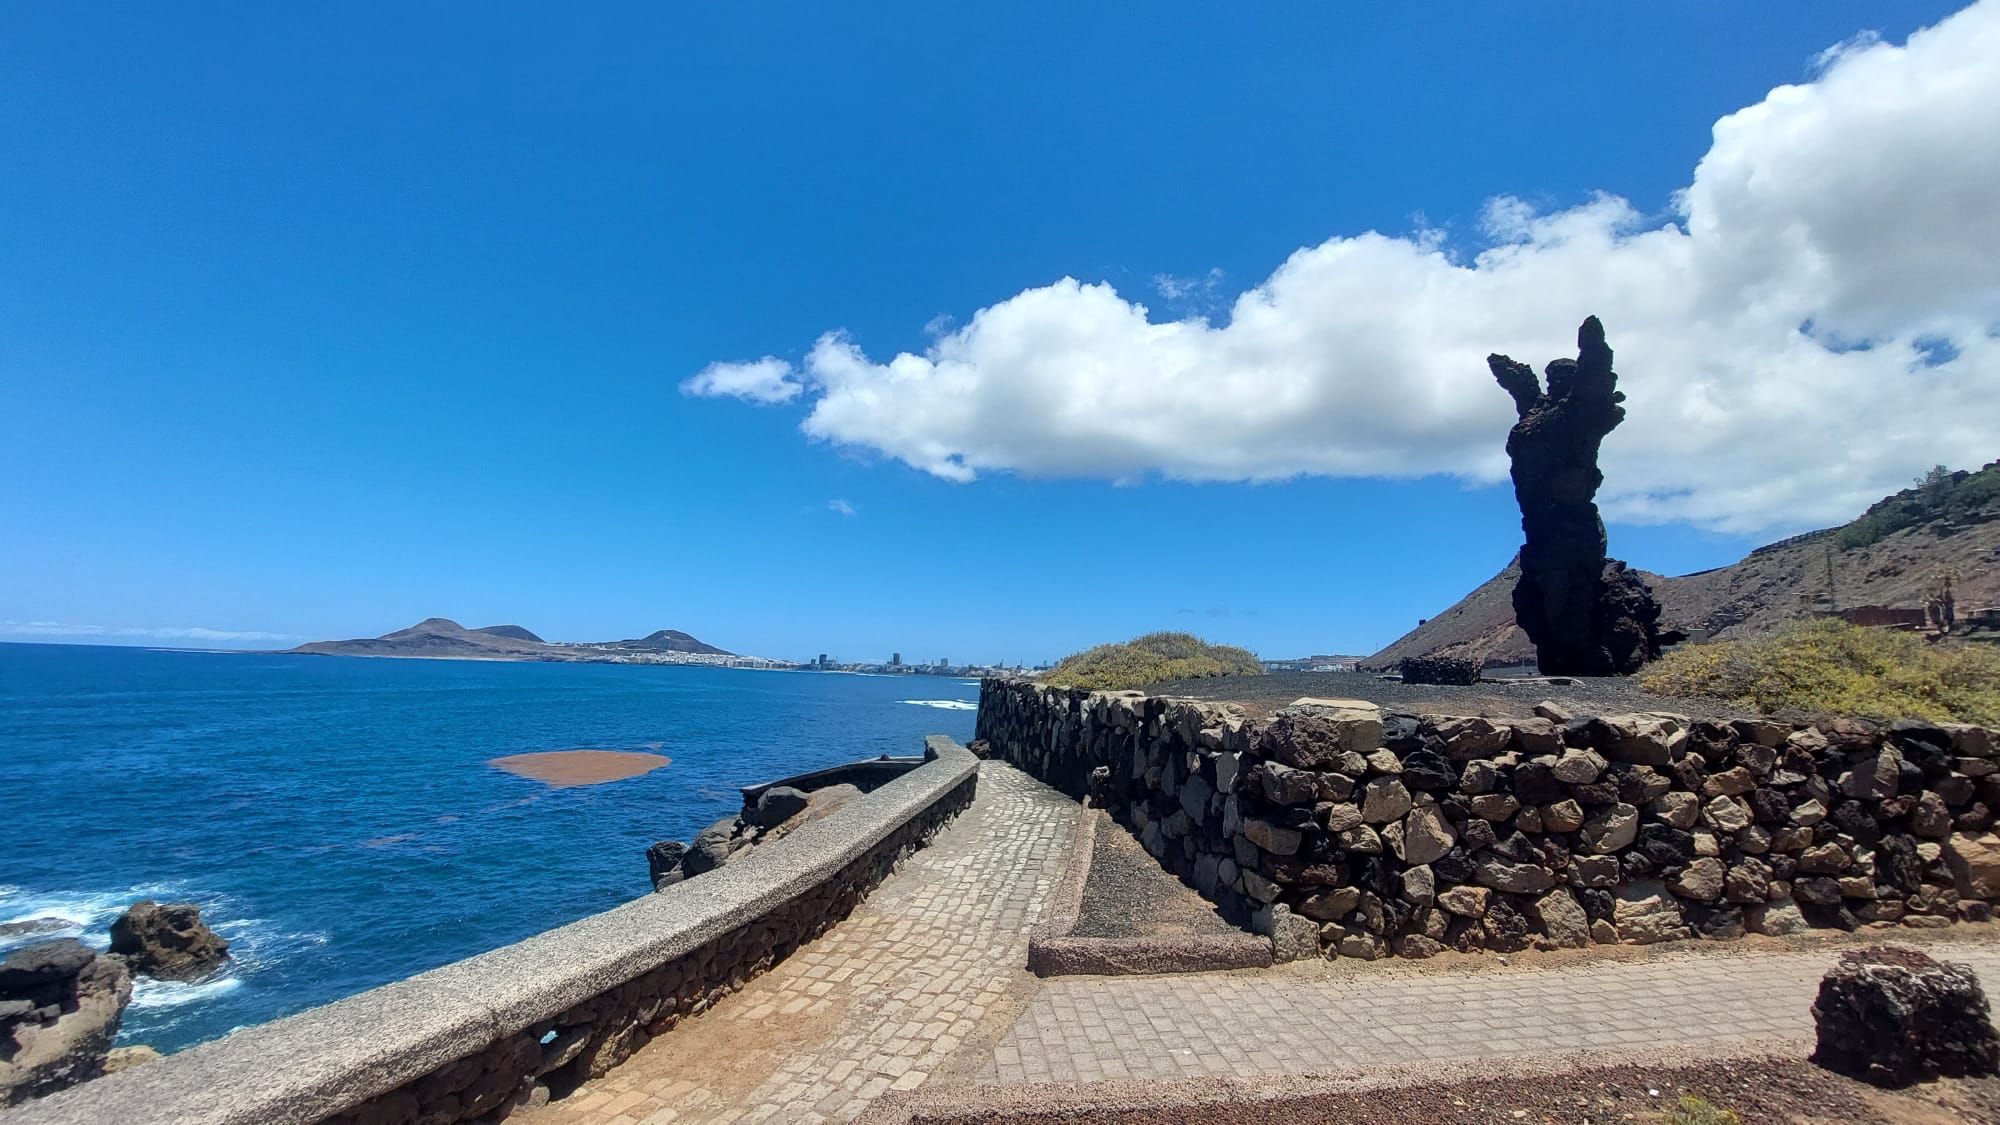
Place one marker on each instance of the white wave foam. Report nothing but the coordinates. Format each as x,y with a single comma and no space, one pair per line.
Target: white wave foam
150,993
942,704
79,910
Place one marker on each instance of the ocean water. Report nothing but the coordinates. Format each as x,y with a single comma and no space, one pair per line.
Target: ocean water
335,816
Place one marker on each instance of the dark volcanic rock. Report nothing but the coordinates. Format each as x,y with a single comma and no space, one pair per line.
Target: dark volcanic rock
167,941
779,804
1586,614
26,970
1428,770
28,926
1440,670
663,862
1891,1015
710,848
60,1006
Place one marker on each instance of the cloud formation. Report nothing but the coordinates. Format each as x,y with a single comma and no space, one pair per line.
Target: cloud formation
840,507
188,633
768,380
1818,321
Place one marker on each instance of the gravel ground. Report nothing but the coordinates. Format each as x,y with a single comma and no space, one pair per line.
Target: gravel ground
1261,695
1128,894
1770,1089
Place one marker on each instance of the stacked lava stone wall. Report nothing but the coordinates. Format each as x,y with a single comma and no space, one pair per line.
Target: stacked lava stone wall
554,1056
1343,829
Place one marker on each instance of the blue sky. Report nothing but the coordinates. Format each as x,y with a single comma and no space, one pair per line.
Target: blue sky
314,323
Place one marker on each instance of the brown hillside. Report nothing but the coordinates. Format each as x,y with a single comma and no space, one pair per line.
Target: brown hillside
1954,522
441,637
433,636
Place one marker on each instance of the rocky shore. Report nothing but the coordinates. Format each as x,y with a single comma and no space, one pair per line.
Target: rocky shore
60,1007
779,810
61,1002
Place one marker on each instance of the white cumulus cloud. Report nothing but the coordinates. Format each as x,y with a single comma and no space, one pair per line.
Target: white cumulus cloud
767,380
1818,321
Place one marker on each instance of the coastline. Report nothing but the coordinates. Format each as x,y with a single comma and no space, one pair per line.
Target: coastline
345,793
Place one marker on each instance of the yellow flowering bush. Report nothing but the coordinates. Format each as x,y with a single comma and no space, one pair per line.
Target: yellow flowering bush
1828,666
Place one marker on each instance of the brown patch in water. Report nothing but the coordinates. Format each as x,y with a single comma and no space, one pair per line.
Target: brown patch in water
562,769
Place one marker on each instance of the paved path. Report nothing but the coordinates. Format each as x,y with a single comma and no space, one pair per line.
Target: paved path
925,984
879,1001
1322,1017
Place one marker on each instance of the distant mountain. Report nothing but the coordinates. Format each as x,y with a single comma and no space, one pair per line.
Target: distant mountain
434,636
1886,557
441,637
669,640
514,631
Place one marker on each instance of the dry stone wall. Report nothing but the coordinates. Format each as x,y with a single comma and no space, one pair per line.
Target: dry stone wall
1341,829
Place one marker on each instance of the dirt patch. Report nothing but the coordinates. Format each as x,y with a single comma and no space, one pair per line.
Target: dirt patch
1584,695
564,769
1768,1088
1831,943
1128,893
1116,912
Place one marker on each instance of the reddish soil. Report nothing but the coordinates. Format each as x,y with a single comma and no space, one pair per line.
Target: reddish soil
562,769
1756,1090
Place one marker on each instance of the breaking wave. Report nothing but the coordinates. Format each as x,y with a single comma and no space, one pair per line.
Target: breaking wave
83,915
255,945
942,704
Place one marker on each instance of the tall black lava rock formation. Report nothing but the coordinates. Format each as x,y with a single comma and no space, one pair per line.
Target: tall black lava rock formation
1587,615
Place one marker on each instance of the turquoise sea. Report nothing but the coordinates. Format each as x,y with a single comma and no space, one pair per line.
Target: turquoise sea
335,816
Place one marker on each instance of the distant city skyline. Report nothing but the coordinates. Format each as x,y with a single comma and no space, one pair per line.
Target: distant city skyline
941,331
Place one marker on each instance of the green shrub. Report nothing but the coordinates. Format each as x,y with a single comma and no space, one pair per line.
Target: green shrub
1937,495
1876,525
1697,1110
1150,659
1830,667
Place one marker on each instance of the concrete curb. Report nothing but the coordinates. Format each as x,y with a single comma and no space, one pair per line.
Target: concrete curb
1052,951
310,1066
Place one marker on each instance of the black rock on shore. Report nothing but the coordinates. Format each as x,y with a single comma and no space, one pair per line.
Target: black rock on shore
60,1007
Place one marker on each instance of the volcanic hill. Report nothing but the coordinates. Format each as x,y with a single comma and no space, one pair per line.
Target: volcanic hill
441,637
1886,557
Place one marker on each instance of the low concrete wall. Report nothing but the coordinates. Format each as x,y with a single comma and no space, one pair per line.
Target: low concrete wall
866,774
1054,950
514,1026
1349,831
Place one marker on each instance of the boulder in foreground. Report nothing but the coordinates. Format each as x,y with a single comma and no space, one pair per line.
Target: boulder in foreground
60,1006
1891,1015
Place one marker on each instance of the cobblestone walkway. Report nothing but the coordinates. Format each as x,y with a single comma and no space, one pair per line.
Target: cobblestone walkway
875,1004
1323,1017
925,983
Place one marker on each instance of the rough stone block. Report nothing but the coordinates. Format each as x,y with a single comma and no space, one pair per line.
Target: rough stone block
1892,1016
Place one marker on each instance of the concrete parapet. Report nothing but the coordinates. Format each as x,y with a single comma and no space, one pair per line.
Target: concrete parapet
537,1017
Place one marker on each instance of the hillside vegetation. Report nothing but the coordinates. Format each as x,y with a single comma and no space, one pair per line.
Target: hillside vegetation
1938,496
1149,659
1832,667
